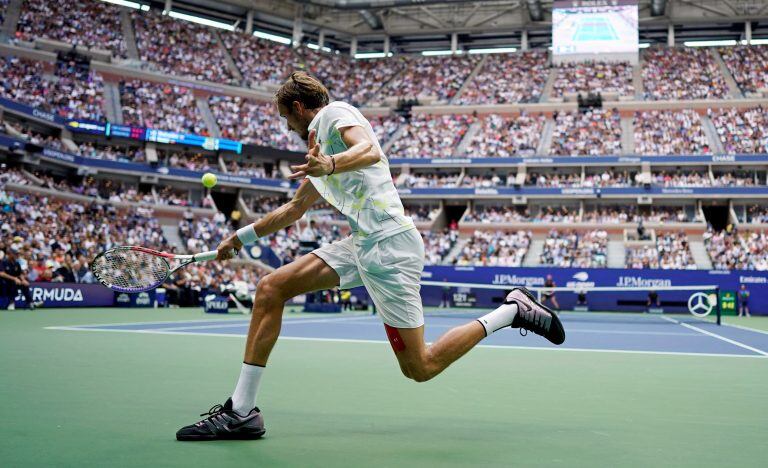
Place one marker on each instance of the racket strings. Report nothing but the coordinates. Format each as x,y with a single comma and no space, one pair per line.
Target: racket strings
130,270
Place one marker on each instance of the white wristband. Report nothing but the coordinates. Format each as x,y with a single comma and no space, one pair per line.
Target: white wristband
247,235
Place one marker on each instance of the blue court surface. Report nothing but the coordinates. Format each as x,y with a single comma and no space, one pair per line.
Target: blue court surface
597,332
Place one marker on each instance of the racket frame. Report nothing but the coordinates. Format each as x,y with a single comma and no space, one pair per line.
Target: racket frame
165,256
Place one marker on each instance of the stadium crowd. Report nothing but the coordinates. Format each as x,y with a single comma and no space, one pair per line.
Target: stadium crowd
428,136
440,77
737,249
55,89
507,78
503,137
251,122
163,106
437,245
741,130
682,73
495,248
180,47
594,77
669,132
94,25
259,60
592,132
748,66
578,249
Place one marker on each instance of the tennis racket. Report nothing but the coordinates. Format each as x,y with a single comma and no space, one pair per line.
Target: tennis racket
133,269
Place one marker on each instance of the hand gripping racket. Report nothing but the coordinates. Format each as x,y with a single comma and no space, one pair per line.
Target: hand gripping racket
132,269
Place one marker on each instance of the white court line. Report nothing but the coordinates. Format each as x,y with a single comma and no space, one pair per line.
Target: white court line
285,322
742,327
719,337
349,340
179,322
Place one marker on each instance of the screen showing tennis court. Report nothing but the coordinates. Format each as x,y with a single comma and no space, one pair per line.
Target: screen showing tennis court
594,29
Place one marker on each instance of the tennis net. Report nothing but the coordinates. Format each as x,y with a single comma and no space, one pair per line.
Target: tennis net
594,303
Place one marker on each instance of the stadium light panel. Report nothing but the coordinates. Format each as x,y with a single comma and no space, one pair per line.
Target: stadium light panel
644,45
128,4
199,20
431,53
755,42
497,50
371,55
315,47
272,37
728,42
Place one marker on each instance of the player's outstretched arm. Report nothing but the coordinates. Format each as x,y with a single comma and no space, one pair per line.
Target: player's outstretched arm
361,153
282,217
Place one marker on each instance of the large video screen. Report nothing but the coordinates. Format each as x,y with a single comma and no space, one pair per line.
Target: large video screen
580,27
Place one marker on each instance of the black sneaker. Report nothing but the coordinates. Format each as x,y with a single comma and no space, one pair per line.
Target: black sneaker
533,316
223,423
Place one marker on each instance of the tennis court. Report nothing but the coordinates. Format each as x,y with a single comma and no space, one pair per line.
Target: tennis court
111,387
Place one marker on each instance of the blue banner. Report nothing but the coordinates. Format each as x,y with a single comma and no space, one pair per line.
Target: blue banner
214,304
142,299
69,295
32,111
159,171
584,191
634,160
586,278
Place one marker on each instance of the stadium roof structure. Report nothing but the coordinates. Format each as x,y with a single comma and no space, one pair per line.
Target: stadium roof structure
411,26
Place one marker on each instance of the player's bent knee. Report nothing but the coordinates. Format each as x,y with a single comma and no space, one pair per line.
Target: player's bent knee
269,289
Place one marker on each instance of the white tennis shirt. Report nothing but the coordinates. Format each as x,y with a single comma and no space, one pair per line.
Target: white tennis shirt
367,197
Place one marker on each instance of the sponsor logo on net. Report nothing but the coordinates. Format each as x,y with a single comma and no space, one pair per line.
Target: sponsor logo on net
701,304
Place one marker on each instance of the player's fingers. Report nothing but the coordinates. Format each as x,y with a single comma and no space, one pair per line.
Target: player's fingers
312,138
300,167
298,175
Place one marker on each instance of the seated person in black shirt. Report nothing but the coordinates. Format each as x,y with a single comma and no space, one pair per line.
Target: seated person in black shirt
14,279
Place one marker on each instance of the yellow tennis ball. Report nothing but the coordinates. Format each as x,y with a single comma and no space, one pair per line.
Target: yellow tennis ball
209,180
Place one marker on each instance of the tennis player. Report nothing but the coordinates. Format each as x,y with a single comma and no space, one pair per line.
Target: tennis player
385,253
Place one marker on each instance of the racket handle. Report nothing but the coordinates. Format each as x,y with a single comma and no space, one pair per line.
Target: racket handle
210,255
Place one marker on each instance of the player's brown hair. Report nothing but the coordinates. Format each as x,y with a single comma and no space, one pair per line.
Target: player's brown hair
302,87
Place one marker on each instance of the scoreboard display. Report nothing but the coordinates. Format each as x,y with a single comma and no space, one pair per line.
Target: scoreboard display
594,27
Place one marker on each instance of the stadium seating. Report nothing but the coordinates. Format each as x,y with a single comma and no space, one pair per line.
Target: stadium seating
503,137
748,65
669,132
53,89
741,130
507,78
495,248
745,250
180,48
594,132
594,77
427,136
578,249
91,24
251,122
682,73
154,105
439,77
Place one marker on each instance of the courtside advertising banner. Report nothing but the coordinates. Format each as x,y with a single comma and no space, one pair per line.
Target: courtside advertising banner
641,282
69,295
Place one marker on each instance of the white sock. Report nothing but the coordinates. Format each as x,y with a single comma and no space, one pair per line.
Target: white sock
244,398
499,318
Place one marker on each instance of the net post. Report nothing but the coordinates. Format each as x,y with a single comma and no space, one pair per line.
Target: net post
717,305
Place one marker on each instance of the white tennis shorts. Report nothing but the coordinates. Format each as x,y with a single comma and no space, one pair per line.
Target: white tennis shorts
390,270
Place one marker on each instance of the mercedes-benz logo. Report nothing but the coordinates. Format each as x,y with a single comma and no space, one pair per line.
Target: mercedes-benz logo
700,304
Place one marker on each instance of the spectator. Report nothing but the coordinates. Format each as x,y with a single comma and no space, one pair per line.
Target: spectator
593,77
669,132
429,136
504,137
